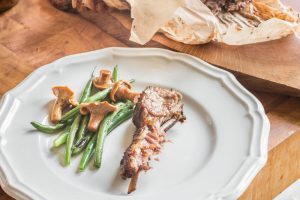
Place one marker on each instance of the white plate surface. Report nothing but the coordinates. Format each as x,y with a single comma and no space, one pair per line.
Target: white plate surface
214,155
291,193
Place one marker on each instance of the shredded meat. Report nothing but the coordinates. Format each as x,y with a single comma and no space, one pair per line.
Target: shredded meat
155,113
217,6
65,5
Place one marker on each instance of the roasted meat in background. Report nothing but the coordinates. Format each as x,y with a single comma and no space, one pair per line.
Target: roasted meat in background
226,5
156,111
65,5
234,22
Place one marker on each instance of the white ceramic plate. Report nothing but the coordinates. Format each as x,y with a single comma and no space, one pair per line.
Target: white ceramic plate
214,155
290,193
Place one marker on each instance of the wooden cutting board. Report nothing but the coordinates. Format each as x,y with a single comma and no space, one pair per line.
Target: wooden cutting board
271,66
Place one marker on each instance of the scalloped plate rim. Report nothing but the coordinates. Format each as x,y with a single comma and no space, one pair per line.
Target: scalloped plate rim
12,186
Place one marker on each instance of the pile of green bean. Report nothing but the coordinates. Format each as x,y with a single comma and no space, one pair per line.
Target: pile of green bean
73,126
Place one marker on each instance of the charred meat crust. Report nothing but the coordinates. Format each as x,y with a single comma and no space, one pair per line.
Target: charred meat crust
156,111
217,6
157,104
65,5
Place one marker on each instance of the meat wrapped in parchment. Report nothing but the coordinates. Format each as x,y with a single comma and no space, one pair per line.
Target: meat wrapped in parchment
155,113
234,22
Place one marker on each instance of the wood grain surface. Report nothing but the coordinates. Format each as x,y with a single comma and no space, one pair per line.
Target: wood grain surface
281,170
271,66
34,33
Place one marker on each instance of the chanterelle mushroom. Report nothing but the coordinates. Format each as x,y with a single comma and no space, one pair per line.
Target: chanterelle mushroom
97,111
122,91
65,98
104,80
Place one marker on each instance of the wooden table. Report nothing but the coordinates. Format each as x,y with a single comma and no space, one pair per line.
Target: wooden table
34,33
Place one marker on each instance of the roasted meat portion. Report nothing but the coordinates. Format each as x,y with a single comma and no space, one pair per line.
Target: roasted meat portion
65,5
94,5
217,6
156,111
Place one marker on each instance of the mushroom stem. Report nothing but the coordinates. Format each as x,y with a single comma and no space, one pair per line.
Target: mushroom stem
97,110
94,122
104,80
127,93
64,98
122,91
56,113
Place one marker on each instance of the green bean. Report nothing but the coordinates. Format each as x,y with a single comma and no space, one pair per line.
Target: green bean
82,143
62,138
116,74
120,118
70,139
100,139
99,96
88,153
87,89
85,97
82,128
48,128
102,132
86,93
61,125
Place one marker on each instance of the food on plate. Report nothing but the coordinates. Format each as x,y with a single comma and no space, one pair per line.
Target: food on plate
64,98
48,129
116,119
97,111
123,90
84,125
102,132
104,80
156,111
234,22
